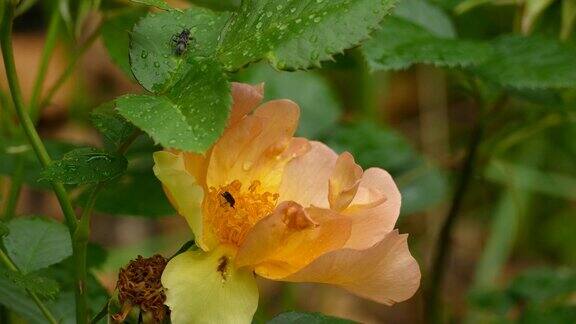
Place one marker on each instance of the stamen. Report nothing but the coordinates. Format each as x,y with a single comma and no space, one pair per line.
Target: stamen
231,212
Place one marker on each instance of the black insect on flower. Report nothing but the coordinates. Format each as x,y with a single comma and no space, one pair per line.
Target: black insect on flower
181,41
229,198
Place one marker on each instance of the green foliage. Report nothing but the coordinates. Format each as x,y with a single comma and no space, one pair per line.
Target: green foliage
160,4
4,230
400,44
297,34
116,37
190,116
16,151
41,286
540,295
426,15
218,5
86,165
36,243
153,58
18,301
543,284
114,127
320,109
527,178
135,194
422,185
307,318
530,62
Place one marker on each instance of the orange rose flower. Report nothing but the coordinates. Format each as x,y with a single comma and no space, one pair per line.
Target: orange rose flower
285,208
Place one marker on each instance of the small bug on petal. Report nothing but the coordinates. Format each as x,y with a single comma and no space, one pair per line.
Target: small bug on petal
229,198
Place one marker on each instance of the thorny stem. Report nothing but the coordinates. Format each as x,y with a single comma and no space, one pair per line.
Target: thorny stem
12,267
39,148
443,247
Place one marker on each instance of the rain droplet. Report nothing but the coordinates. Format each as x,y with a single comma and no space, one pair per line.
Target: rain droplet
144,54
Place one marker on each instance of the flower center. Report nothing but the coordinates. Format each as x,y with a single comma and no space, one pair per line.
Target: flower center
230,212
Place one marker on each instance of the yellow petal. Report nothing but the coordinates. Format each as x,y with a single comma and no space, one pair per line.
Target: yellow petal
290,238
245,98
305,178
200,288
254,148
385,273
374,210
344,181
183,190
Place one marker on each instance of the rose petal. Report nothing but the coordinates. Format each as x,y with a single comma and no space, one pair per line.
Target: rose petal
183,190
385,273
344,182
253,148
245,98
290,238
374,210
205,288
305,178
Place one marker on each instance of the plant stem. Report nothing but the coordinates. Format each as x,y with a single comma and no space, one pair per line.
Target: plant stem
14,193
443,247
66,74
26,122
12,267
39,148
51,37
82,234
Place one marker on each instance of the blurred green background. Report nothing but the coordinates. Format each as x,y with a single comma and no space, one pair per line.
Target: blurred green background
408,101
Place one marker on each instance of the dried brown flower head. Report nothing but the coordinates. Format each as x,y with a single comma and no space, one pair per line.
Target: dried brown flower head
139,285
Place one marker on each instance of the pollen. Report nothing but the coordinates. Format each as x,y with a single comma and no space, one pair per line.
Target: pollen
231,210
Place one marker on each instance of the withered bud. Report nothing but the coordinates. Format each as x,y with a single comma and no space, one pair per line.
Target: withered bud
139,285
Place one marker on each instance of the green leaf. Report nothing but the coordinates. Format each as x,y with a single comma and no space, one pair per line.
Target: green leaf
427,16
422,184
307,318
41,286
15,151
320,109
18,301
218,5
116,37
114,127
530,62
152,51
86,165
124,197
36,243
190,116
160,4
63,273
297,34
400,44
